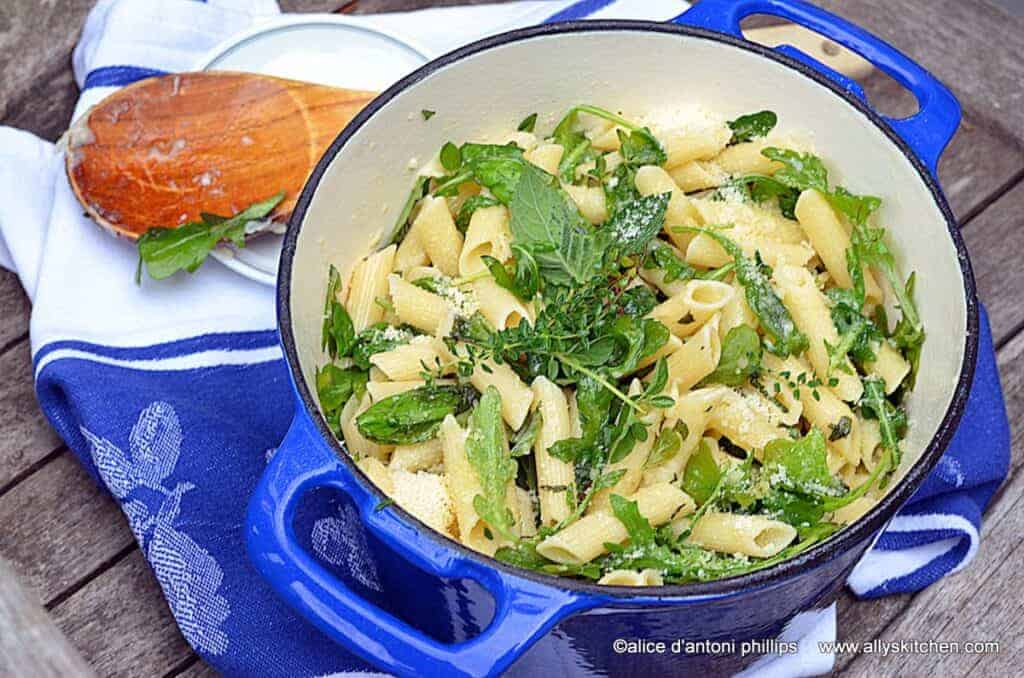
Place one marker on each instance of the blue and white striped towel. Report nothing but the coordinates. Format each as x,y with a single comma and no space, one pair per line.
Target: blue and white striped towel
174,394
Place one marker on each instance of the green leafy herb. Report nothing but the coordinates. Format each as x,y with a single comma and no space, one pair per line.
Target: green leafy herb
528,123
334,386
857,334
783,336
639,147
165,251
471,205
619,188
416,193
702,475
667,445
740,358
427,113
891,420
545,224
376,339
663,257
636,223
524,280
627,512
868,247
338,334
752,126
840,429
762,188
413,416
522,442
801,466
489,456
451,157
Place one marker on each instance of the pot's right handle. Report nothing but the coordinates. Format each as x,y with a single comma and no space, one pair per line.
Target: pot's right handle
927,132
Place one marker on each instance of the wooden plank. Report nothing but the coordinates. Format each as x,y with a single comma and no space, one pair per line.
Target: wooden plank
26,437
121,624
14,310
60,528
995,241
199,669
30,643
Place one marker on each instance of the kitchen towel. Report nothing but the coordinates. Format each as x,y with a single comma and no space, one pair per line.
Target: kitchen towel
174,394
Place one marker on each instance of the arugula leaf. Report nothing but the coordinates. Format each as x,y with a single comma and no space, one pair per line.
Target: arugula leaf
628,513
801,466
528,123
524,282
702,475
620,188
165,251
755,276
891,421
667,445
413,416
752,126
803,171
593,403
740,358
472,204
868,248
525,437
636,222
334,386
762,188
857,334
427,113
488,454
544,223
376,339
402,224
497,167
800,170
639,148
661,256
792,508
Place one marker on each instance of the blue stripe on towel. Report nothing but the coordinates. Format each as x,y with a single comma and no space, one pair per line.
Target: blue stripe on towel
578,10
225,341
118,76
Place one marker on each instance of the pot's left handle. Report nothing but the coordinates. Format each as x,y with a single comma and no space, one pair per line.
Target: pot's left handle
927,132
524,610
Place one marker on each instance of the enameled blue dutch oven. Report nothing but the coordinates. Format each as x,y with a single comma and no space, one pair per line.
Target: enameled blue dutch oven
437,608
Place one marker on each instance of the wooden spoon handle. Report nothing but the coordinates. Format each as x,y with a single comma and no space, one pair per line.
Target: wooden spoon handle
163,150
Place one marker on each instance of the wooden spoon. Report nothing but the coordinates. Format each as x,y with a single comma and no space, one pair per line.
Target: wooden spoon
161,151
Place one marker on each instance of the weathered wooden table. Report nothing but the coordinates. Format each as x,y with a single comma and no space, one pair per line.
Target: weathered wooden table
72,548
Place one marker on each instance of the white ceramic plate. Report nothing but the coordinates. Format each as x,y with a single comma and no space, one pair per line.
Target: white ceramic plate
327,50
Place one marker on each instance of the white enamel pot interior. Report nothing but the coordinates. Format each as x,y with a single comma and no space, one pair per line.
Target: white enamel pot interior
481,93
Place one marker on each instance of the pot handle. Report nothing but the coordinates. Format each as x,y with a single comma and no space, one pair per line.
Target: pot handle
524,610
927,132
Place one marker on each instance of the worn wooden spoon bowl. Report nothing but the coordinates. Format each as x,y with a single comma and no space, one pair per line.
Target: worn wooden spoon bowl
164,150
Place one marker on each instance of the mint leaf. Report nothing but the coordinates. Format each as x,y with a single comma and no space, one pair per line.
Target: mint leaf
546,225
165,251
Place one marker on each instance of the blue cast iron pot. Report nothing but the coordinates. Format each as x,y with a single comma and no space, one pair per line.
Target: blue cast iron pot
437,608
